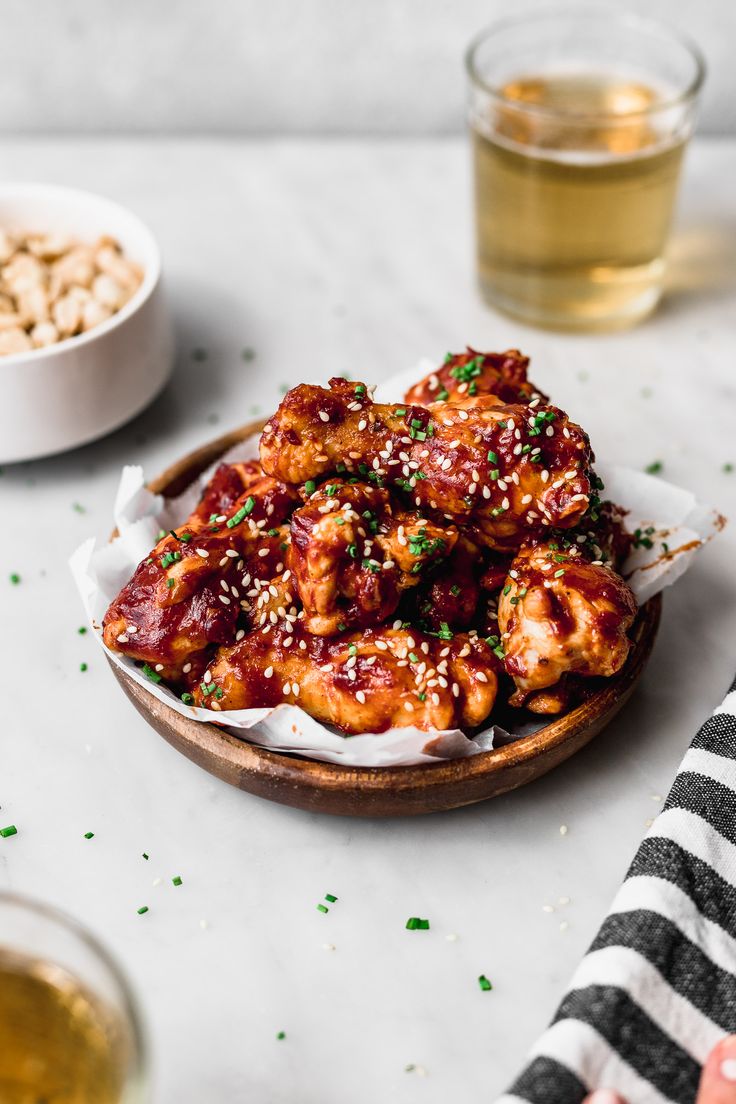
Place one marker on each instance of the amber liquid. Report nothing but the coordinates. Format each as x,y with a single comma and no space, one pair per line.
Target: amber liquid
573,209
58,1043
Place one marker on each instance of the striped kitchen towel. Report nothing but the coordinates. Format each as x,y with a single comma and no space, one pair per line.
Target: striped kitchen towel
657,989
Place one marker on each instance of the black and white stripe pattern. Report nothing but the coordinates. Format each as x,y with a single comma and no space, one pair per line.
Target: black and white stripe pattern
657,989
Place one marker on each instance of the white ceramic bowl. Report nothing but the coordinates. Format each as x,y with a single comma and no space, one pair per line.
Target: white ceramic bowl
61,396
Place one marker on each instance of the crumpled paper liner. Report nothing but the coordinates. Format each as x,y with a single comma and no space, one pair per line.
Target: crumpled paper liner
678,521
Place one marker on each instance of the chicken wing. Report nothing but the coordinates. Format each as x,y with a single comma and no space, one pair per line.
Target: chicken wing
464,375
186,596
354,549
450,595
561,612
507,471
360,682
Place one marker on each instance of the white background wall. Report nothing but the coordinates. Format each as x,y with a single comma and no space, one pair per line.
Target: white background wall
286,66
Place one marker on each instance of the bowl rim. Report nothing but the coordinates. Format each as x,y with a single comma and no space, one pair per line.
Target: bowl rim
151,272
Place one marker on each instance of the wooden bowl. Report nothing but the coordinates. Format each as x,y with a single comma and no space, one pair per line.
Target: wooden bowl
382,791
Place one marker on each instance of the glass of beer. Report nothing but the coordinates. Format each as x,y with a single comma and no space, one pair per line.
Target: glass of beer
579,118
69,1030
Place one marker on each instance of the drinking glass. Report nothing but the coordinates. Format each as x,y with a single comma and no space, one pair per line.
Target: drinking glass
69,1029
579,117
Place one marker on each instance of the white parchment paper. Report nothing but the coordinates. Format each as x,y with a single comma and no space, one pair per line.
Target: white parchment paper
100,571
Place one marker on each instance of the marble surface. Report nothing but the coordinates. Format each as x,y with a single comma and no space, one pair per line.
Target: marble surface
322,257
265,66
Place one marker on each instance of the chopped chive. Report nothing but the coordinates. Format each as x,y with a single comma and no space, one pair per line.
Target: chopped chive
280,1034
654,468
149,672
322,908
728,467
146,856
415,923
15,578
247,353
82,630
176,881
310,486
187,699
330,897
89,835
83,667
245,509
142,910
11,830
484,983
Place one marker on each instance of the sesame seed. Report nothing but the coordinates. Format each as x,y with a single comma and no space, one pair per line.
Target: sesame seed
463,415
286,689
122,639
408,707
240,634
231,553
207,677
525,499
202,552
262,552
481,676
224,599
455,690
186,668
544,476
361,426
360,696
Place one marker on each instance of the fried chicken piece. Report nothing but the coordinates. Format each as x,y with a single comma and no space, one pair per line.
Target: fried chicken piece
451,594
360,682
562,612
189,593
507,471
354,550
225,488
230,483
464,375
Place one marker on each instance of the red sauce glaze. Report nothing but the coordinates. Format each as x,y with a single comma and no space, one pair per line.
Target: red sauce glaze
359,682
507,470
464,375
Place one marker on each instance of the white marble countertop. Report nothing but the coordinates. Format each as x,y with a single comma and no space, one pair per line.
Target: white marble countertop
322,257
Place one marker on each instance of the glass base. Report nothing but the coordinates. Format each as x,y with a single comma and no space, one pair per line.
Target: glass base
597,300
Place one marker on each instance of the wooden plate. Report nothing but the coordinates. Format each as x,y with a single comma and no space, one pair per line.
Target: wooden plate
386,791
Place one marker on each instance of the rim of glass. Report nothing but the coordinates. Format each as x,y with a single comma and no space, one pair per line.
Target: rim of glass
65,920
599,14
